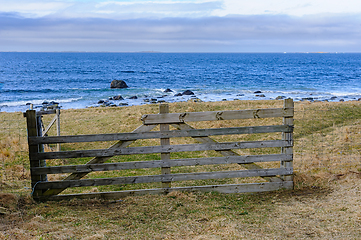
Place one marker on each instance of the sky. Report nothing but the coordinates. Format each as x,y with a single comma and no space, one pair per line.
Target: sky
181,25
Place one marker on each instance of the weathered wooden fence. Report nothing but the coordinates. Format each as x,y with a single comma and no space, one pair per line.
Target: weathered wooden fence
276,178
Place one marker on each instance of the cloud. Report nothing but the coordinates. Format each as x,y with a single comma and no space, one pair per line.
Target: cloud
121,10
292,8
34,8
125,9
112,9
257,33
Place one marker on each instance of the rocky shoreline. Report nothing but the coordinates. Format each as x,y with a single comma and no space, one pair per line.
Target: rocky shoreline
171,96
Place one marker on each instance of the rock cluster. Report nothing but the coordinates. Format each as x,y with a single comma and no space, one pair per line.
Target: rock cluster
186,93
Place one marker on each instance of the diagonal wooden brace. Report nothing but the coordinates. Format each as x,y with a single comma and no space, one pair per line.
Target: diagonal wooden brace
184,126
120,144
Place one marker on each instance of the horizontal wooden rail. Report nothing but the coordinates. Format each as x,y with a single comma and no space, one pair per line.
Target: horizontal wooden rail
158,134
225,188
165,177
159,163
160,149
41,113
216,115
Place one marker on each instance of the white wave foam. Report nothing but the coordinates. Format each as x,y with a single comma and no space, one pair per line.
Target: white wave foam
38,102
341,94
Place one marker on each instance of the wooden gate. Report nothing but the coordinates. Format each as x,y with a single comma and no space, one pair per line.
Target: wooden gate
276,178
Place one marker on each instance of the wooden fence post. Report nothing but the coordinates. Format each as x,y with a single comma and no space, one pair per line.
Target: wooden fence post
33,131
288,136
42,163
58,127
164,108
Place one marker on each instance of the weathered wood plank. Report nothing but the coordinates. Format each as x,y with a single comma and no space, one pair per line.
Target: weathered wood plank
159,163
158,134
165,178
58,147
39,127
184,126
49,126
165,156
120,144
288,137
40,113
159,149
215,115
227,188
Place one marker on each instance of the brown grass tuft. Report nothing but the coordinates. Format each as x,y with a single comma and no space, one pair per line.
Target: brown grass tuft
8,200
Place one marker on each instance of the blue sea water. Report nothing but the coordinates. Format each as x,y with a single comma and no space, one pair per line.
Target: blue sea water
79,80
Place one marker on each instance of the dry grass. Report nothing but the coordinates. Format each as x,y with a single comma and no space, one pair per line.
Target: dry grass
324,205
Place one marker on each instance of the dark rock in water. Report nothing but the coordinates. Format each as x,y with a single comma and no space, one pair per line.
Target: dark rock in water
118,97
178,95
153,99
110,98
45,103
359,99
27,104
161,101
123,104
160,97
342,100
280,97
168,90
240,95
100,101
194,100
224,99
118,84
257,92
133,97
260,95
333,98
308,99
188,92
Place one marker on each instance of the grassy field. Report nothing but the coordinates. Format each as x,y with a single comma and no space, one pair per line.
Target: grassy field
325,203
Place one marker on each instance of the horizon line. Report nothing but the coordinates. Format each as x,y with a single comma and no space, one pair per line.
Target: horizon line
305,52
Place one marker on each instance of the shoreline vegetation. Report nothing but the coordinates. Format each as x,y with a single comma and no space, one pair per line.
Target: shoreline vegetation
324,203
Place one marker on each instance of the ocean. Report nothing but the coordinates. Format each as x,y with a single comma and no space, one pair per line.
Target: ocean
80,80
